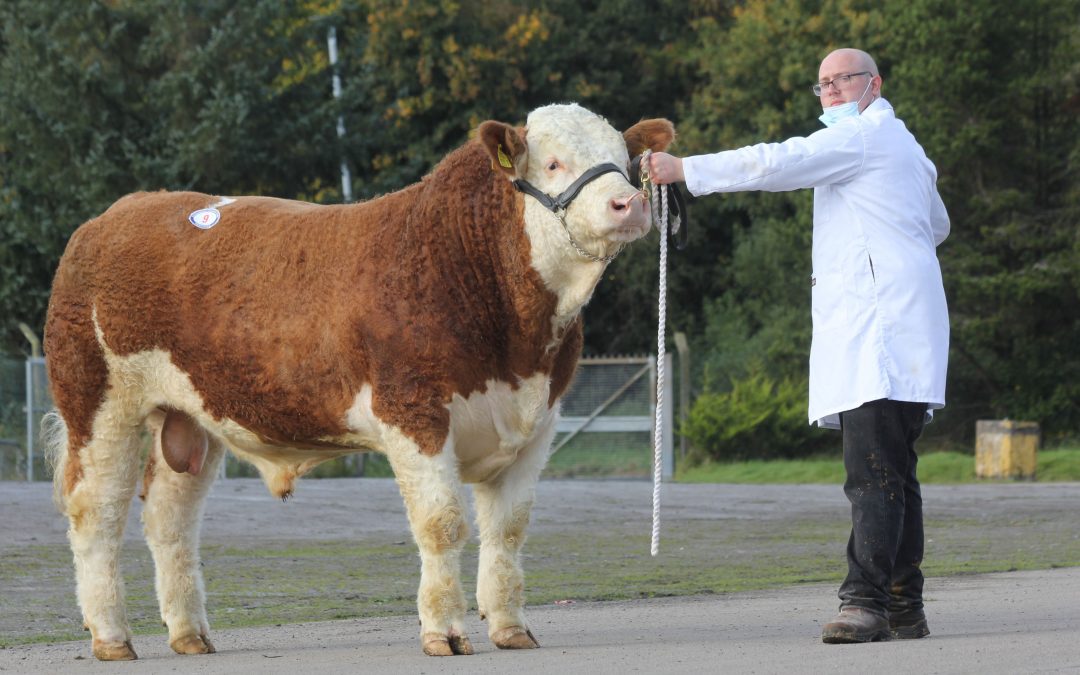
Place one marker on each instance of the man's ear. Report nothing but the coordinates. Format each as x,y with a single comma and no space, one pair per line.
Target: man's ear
655,134
507,147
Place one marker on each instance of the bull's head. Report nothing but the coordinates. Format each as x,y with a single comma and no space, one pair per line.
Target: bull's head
574,164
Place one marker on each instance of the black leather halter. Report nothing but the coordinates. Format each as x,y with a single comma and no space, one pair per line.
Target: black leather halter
558,205
562,202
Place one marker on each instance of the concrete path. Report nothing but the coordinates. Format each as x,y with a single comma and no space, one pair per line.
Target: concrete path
1020,622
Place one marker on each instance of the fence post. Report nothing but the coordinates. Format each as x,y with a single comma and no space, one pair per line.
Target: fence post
683,347
29,420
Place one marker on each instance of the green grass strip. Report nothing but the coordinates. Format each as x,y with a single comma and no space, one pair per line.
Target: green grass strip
1059,465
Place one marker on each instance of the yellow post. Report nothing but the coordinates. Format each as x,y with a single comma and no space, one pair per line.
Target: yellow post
1005,449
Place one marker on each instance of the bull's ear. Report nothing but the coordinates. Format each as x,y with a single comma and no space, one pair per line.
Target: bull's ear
507,147
655,134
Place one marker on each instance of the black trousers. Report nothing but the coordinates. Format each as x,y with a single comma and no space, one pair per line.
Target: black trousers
885,549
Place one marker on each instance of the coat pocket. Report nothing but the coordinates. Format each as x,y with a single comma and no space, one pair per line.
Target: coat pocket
827,307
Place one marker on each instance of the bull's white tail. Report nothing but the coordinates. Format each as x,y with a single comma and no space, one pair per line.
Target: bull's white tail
54,439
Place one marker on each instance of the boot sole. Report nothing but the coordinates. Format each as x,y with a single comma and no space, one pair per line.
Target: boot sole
919,630
845,638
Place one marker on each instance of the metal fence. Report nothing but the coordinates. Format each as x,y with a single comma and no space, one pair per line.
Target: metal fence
606,428
24,399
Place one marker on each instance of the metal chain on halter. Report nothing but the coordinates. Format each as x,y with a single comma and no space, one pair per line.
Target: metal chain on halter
660,217
561,215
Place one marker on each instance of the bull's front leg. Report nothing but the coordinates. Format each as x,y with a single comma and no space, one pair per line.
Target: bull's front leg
431,488
503,505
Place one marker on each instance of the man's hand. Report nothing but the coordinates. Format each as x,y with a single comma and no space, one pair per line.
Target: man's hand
665,168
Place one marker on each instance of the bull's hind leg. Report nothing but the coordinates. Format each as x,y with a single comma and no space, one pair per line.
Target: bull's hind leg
171,522
97,507
503,504
431,489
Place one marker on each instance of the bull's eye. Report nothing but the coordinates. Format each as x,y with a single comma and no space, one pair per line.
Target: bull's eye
554,166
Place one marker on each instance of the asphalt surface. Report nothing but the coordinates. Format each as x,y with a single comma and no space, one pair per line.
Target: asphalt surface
1016,622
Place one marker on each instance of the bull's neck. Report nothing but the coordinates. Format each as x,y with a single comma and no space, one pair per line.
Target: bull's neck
541,282
521,270
564,271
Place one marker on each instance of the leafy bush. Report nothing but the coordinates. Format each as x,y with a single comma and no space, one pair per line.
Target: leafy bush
759,418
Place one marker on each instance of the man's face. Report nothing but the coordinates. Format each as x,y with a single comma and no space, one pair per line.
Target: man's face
837,65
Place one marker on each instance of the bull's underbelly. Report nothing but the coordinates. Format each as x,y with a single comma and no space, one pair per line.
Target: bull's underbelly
489,430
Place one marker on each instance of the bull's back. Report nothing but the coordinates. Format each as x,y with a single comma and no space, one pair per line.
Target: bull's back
260,303
144,255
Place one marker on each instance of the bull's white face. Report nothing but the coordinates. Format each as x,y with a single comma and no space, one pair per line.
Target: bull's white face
565,141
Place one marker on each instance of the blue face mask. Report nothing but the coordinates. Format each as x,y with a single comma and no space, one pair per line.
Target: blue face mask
832,116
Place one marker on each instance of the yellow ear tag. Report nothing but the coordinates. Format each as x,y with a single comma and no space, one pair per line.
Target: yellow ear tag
504,159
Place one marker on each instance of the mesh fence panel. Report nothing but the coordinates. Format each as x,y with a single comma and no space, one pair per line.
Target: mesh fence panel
617,442
12,419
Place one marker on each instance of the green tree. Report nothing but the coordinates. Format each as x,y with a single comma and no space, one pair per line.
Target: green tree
104,98
991,89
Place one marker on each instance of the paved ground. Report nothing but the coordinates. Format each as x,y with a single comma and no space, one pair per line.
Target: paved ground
1019,622
1000,623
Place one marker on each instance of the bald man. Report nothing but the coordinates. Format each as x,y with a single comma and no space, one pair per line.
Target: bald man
880,323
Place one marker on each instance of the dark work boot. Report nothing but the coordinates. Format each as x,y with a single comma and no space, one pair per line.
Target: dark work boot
855,624
908,625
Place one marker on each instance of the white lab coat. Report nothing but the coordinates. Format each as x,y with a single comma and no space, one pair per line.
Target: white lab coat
881,325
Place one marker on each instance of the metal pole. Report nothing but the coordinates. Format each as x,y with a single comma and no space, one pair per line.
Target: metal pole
35,353
29,420
346,175
32,338
682,345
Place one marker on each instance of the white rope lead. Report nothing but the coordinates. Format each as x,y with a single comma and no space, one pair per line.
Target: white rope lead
660,205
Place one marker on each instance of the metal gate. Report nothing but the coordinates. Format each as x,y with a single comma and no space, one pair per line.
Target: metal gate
606,427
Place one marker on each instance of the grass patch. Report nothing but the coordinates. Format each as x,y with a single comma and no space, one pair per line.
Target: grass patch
1058,465
765,471
1061,465
609,455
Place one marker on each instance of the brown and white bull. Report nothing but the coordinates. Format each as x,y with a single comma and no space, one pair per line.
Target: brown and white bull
439,325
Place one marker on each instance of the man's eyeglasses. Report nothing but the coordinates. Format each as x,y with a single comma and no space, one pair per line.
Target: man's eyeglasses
839,82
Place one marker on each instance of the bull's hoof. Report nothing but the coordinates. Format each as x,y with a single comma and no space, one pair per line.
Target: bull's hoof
114,651
192,644
437,644
514,637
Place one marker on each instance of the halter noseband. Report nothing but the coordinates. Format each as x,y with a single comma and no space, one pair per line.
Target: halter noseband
562,202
